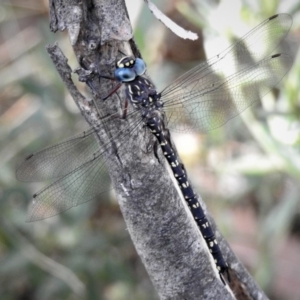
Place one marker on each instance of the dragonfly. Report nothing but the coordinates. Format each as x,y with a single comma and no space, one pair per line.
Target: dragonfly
202,99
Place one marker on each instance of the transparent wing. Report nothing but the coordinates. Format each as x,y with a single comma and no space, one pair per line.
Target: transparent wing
60,159
206,109
83,183
243,56
250,49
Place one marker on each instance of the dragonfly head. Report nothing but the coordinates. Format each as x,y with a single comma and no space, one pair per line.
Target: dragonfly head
128,68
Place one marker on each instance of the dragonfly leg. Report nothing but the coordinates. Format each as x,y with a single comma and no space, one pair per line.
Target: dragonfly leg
112,92
87,76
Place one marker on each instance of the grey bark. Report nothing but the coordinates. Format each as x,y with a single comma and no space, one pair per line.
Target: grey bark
161,228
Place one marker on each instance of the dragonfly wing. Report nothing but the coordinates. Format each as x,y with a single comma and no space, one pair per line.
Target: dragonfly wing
206,109
246,52
60,159
84,183
81,185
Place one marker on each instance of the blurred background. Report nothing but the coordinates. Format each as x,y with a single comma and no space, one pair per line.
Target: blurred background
248,171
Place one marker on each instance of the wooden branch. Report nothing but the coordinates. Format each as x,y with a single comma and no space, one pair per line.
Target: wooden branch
160,225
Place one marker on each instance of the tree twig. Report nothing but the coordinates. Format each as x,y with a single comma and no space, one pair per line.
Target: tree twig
179,31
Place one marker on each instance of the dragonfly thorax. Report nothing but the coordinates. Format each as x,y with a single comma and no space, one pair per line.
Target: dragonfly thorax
142,93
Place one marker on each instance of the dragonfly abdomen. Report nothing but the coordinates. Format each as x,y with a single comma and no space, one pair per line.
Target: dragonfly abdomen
155,125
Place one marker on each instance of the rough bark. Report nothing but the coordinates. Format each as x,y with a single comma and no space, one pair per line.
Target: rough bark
161,228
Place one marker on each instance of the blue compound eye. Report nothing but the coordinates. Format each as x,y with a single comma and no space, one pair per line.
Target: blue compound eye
125,74
139,66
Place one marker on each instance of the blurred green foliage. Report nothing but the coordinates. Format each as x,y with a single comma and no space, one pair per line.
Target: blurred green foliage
247,171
